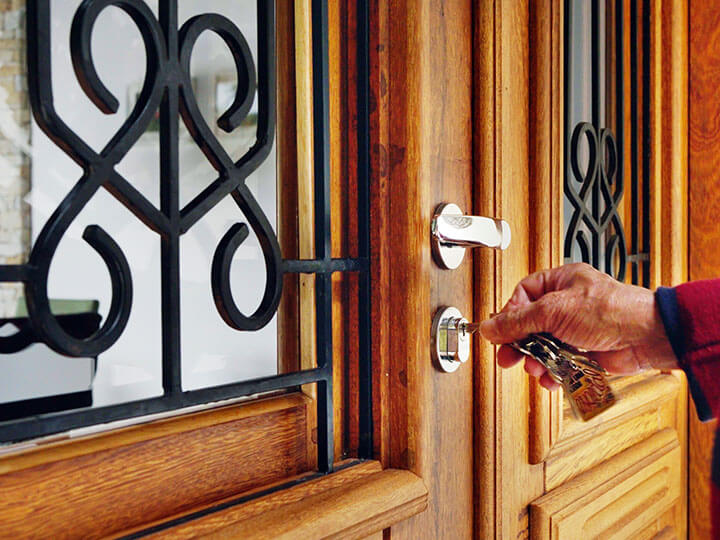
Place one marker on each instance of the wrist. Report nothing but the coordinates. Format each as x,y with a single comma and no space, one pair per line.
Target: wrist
661,354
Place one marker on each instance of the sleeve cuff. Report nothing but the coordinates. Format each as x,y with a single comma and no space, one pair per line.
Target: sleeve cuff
666,299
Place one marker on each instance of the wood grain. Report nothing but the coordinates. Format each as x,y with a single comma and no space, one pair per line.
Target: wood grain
654,174
305,183
500,126
704,206
648,406
618,499
674,150
353,510
140,474
485,164
546,130
429,152
223,518
288,333
381,248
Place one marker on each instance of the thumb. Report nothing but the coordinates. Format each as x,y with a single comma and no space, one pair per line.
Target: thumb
517,323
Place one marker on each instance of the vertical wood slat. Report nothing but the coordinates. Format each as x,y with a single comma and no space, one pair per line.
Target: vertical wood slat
288,333
546,132
485,164
654,174
429,161
669,218
305,180
381,247
344,197
704,207
674,147
505,483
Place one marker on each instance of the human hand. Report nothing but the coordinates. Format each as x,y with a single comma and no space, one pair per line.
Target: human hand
618,324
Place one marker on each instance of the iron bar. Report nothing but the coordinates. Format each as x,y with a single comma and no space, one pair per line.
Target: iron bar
167,88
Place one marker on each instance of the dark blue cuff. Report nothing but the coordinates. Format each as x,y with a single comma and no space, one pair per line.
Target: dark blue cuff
666,299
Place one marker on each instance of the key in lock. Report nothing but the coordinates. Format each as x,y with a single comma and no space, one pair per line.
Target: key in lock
584,380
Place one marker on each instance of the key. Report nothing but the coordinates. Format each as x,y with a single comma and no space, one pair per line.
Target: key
584,380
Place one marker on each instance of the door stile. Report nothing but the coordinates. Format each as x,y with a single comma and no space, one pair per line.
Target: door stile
546,189
501,119
429,157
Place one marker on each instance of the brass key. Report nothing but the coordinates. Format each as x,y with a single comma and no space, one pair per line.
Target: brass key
584,380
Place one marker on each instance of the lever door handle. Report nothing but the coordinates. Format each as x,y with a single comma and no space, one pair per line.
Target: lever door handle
453,232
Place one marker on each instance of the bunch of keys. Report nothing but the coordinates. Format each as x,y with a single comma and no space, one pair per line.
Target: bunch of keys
584,380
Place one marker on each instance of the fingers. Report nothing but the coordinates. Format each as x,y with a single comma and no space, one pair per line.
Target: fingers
536,285
508,357
534,368
517,323
548,382
622,362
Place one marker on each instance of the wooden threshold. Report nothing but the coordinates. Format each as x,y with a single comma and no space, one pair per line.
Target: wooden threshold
351,503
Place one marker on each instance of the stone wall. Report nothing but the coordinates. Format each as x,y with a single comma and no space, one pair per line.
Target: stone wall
14,147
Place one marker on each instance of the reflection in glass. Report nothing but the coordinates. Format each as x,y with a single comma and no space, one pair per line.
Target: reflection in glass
37,175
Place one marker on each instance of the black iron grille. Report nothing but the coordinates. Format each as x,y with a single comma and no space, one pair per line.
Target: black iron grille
167,88
596,189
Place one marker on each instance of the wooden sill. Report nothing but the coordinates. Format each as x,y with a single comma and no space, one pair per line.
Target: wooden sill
352,503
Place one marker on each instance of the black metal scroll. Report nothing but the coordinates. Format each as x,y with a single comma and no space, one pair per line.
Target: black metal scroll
167,88
599,182
595,192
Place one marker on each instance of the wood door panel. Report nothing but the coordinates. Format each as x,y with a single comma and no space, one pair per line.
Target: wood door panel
144,473
646,405
620,498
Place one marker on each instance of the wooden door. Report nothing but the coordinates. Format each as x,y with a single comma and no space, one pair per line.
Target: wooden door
622,474
471,110
465,106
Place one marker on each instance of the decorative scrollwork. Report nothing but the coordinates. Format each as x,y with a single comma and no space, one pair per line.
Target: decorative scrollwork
167,74
595,204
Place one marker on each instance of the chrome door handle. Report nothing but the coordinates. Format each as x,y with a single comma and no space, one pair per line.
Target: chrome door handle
453,232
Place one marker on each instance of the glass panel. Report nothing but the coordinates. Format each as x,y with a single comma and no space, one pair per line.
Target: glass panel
606,225
154,249
38,175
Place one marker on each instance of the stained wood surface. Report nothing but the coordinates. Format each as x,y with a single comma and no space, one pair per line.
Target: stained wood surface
622,498
546,134
674,148
305,183
383,245
354,509
646,406
287,201
505,480
216,520
704,206
112,482
424,158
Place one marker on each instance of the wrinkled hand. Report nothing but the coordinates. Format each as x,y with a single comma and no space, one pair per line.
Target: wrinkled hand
619,324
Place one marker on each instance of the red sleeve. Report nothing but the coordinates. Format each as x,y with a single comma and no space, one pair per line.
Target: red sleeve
699,310
691,315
